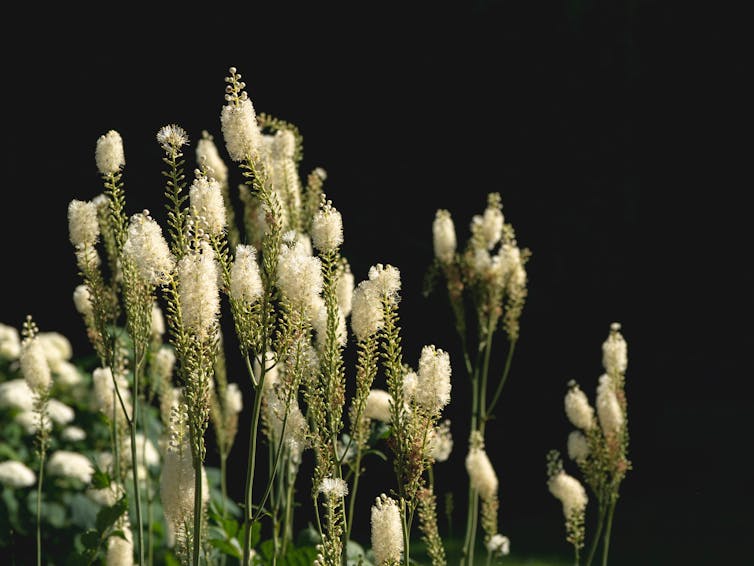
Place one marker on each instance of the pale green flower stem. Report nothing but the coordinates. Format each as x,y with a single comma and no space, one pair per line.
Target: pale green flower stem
608,527
139,354
597,533
248,516
39,505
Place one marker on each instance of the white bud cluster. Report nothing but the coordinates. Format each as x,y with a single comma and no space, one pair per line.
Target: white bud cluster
569,491
433,380
207,204
16,475
34,365
387,531
615,352
208,155
377,405
109,153
69,464
198,292
146,249
481,473
577,407
444,236
245,281
83,225
327,228
608,408
10,342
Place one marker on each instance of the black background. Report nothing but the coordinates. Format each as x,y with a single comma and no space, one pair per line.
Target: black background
614,132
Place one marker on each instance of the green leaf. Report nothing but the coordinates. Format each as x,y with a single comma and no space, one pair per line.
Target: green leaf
231,527
227,547
108,515
256,534
100,479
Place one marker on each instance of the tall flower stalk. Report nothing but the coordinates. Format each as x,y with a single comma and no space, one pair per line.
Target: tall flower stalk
38,377
489,275
599,447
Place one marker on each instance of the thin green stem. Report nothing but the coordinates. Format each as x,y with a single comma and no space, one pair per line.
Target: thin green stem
489,557
503,378
352,502
224,482
597,533
197,510
406,533
134,456
474,523
252,461
39,505
608,528
485,373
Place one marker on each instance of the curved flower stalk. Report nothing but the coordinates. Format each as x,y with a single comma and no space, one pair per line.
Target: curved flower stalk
598,445
489,273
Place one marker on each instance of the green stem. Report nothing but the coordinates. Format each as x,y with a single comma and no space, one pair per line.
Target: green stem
352,502
149,500
134,456
489,557
406,534
503,378
485,373
252,460
197,510
288,521
596,538
224,482
608,527
39,504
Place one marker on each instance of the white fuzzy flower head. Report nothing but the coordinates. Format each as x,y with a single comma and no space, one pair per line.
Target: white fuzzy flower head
57,348
83,225
245,281
104,394
15,474
120,551
208,155
433,380
577,407
198,292
578,447
444,236
344,290
71,465
608,408
233,399
387,531
366,311
82,300
333,487
569,491
327,228
177,477
10,342
147,249
377,405
67,374
146,453
615,351
73,434
243,138
299,277
410,382
34,365
492,221
87,257
158,321
59,412
386,280
163,363
171,138
16,394
207,204
499,545
481,473
109,153
441,442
